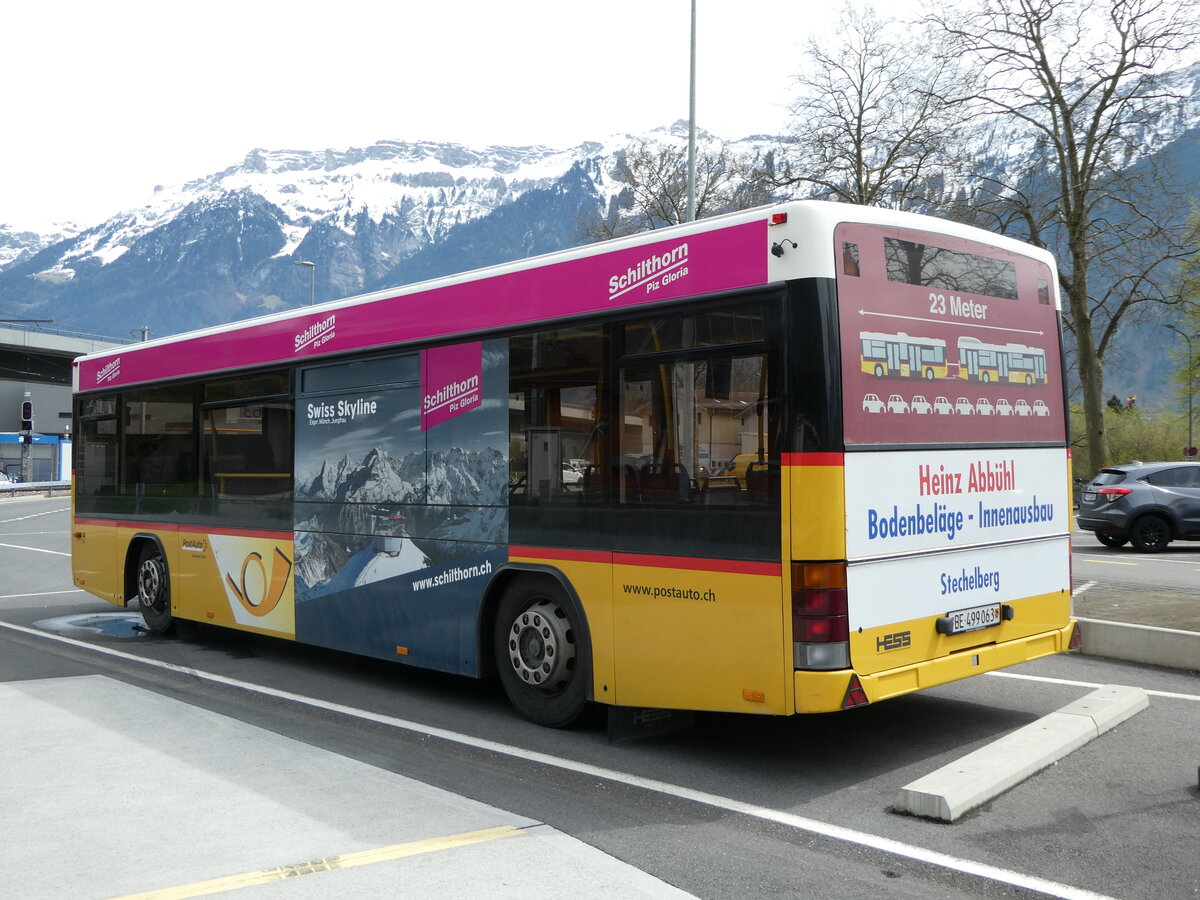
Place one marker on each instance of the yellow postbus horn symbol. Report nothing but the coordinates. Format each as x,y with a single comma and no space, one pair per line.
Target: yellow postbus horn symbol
271,591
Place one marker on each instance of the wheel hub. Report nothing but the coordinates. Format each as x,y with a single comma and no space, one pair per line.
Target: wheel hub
541,646
150,584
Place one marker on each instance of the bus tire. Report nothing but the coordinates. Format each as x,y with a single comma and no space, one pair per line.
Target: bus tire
1150,534
541,652
928,374
985,377
878,371
154,590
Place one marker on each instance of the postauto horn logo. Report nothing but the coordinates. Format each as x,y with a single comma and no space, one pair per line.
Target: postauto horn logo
258,591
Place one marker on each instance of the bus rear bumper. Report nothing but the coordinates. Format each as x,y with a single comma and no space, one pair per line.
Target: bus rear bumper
825,691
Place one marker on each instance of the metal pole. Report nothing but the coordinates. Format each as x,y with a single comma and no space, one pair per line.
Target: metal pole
1191,394
691,197
1191,384
312,277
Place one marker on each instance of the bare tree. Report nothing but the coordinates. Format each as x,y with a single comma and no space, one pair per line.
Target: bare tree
1187,376
654,175
875,121
1084,77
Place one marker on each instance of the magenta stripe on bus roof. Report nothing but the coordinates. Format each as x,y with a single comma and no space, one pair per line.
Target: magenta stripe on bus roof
686,265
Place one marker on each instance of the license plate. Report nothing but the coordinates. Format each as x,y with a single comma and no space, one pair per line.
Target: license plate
975,618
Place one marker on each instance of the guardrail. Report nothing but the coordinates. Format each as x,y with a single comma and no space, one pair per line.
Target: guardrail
11,489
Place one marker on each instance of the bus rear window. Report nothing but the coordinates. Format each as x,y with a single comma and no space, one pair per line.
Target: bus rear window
952,270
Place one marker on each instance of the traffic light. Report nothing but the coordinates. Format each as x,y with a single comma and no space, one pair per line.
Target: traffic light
27,415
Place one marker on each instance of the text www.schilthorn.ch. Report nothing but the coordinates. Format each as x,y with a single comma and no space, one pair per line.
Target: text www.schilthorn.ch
450,576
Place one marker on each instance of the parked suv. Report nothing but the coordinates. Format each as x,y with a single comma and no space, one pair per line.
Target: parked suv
1146,504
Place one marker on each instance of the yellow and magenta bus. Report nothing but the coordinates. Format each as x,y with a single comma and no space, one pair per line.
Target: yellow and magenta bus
513,472
1014,363
903,355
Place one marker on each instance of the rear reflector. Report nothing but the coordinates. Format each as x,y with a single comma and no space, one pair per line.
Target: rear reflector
778,218
855,695
1076,642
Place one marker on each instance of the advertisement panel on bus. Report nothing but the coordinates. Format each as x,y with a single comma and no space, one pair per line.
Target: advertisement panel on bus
945,340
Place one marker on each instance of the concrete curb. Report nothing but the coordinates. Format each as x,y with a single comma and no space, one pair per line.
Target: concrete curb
977,777
1141,643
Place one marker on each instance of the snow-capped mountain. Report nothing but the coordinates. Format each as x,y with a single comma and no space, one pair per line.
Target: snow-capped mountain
222,248
381,511
19,244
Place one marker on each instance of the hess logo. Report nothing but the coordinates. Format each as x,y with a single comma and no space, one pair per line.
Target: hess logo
258,588
893,641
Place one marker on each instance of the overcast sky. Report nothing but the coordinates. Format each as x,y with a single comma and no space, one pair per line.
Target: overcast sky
102,101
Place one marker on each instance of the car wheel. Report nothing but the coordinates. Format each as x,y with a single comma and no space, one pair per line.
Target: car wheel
154,590
1111,540
541,652
1150,534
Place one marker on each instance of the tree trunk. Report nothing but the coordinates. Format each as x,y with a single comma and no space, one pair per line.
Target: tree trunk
1091,377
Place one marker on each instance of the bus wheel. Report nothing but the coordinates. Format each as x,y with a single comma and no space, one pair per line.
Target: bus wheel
154,591
928,374
985,377
539,652
878,371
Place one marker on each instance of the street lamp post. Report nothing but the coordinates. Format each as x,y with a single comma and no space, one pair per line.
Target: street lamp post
312,277
691,182
1190,384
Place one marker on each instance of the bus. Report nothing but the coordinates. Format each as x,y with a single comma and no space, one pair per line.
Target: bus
903,356
505,473
1014,363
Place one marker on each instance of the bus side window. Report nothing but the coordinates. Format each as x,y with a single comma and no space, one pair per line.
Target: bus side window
679,418
558,444
850,259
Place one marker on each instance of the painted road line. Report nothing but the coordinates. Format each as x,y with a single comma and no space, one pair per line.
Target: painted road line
34,549
48,512
980,776
1045,679
1083,587
329,864
1109,562
800,823
42,594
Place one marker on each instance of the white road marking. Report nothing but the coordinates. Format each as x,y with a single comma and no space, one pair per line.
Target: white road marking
48,512
1172,695
34,549
42,594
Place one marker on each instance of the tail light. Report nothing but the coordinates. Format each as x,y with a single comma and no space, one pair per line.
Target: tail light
820,625
1112,493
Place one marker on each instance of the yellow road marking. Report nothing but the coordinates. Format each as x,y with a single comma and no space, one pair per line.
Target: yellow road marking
328,864
1110,562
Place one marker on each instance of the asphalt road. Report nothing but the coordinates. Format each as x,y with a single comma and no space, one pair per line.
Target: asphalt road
1159,589
732,807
